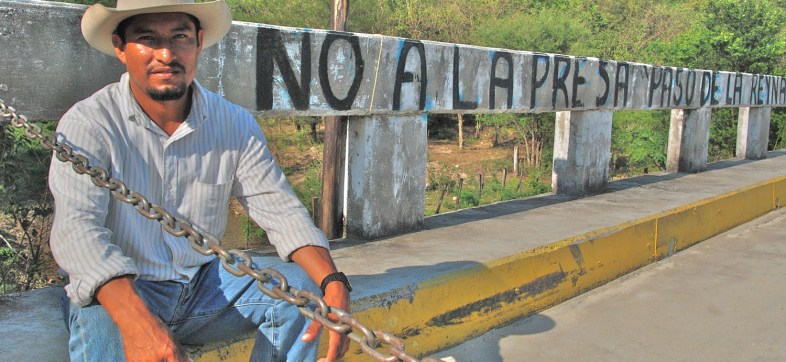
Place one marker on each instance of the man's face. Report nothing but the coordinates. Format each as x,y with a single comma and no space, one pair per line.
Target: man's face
160,54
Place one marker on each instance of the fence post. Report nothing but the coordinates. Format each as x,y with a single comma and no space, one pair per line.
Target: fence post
582,149
753,132
458,195
480,188
689,139
441,198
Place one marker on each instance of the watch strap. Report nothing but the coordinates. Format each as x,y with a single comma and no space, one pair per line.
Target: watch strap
333,277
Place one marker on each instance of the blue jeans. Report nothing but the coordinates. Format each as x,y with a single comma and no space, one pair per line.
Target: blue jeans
214,306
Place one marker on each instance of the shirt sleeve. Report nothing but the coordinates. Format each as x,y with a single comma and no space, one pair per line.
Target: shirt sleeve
79,240
264,191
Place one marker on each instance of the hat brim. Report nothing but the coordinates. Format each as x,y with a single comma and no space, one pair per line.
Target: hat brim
99,22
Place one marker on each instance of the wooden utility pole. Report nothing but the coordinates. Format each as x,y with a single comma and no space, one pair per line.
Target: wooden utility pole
461,131
338,15
333,154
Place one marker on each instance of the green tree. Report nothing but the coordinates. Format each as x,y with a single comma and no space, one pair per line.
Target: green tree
639,140
543,30
723,134
748,35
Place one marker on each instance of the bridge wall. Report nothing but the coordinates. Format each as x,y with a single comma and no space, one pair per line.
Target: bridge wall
278,71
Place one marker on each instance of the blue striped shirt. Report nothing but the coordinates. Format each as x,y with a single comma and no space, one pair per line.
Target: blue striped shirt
218,152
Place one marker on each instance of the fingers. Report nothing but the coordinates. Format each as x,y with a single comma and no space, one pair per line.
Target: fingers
312,332
333,347
337,347
344,346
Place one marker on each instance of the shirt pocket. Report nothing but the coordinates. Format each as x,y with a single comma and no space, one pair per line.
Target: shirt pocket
208,206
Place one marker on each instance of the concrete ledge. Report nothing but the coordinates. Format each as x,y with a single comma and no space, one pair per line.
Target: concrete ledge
475,270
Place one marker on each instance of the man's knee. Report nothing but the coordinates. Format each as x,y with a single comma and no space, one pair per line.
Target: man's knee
299,279
296,277
92,317
93,334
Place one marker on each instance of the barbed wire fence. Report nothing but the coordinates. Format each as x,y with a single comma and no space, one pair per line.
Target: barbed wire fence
234,261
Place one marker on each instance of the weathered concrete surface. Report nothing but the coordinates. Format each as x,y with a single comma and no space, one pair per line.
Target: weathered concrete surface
689,138
286,71
277,70
722,300
753,132
582,149
387,180
473,270
39,41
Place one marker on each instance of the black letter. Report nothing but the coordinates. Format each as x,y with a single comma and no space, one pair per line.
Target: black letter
678,86
666,86
403,76
654,83
457,102
622,85
559,80
333,101
690,82
772,91
706,80
759,89
577,80
729,88
783,90
604,74
737,97
270,47
715,88
506,83
535,82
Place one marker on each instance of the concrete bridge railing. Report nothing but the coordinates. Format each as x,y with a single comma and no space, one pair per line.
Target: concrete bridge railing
387,85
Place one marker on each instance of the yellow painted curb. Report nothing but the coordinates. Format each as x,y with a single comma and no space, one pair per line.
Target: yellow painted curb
452,308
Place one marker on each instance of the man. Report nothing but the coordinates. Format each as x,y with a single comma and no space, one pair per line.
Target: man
136,291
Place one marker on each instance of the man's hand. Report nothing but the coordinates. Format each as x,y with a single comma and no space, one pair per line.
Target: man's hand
145,337
317,263
336,295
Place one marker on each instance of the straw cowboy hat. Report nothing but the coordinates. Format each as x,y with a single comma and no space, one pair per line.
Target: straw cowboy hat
99,22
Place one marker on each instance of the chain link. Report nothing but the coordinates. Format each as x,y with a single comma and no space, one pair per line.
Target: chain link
234,261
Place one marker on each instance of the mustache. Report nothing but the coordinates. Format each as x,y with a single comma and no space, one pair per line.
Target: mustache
174,66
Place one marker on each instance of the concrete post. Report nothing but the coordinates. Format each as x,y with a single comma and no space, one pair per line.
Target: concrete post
689,139
386,175
582,150
753,132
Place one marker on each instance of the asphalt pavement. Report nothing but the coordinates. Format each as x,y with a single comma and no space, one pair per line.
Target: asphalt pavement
721,300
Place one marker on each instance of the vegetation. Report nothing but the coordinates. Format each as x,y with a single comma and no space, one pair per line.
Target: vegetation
731,35
25,210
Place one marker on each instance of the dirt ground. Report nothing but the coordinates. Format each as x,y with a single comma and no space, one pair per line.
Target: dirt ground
469,160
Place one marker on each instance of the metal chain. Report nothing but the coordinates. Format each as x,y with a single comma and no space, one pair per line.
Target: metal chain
236,262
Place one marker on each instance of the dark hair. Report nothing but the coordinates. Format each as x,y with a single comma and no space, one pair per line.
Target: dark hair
123,26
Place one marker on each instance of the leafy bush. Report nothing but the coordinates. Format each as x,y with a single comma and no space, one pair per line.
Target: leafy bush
251,230
469,198
778,129
25,203
535,186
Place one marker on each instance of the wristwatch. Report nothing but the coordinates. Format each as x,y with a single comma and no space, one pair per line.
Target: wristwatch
333,277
